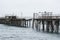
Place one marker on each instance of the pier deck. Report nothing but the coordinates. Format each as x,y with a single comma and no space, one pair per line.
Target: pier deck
13,21
51,22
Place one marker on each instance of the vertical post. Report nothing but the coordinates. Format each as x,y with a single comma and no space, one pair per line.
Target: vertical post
33,24
25,23
29,23
57,26
33,20
52,27
39,25
43,24
36,25
47,26
20,22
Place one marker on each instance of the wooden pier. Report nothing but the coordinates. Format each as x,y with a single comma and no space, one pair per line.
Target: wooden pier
13,21
46,23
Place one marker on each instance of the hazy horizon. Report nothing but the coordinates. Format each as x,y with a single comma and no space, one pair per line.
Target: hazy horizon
28,7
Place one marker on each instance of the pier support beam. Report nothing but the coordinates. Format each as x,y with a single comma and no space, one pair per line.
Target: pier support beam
29,23
36,25
52,27
47,26
43,24
25,23
33,24
57,26
39,25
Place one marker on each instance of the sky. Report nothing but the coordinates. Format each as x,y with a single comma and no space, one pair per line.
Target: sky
26,8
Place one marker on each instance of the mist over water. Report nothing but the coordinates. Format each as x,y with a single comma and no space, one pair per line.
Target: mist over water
18,33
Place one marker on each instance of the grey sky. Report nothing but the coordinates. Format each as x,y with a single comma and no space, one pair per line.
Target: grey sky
28,7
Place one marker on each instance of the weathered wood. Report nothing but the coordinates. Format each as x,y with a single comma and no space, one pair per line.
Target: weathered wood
47,26
57,26
52,27
33,24
43,24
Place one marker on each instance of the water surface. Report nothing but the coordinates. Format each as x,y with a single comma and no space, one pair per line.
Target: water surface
18,33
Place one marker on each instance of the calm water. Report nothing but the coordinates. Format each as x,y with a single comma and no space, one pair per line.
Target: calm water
18,33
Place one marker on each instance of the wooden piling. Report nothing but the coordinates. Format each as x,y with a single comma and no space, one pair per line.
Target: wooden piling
57,26
43,24
29,23
47,26
52,27
33,24
39,24
36,25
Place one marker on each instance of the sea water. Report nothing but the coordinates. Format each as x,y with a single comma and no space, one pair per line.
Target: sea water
20,33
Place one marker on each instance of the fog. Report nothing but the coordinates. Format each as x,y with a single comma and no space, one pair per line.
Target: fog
28,7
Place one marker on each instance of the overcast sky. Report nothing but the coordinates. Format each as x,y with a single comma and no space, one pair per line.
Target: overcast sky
28,7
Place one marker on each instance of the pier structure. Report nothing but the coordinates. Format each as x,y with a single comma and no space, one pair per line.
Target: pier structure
14,21
28,22
47,22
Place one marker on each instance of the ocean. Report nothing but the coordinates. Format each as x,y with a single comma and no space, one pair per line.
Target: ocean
20,33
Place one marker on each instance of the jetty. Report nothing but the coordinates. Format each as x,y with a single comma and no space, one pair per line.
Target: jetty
49,22
45,21
14,21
